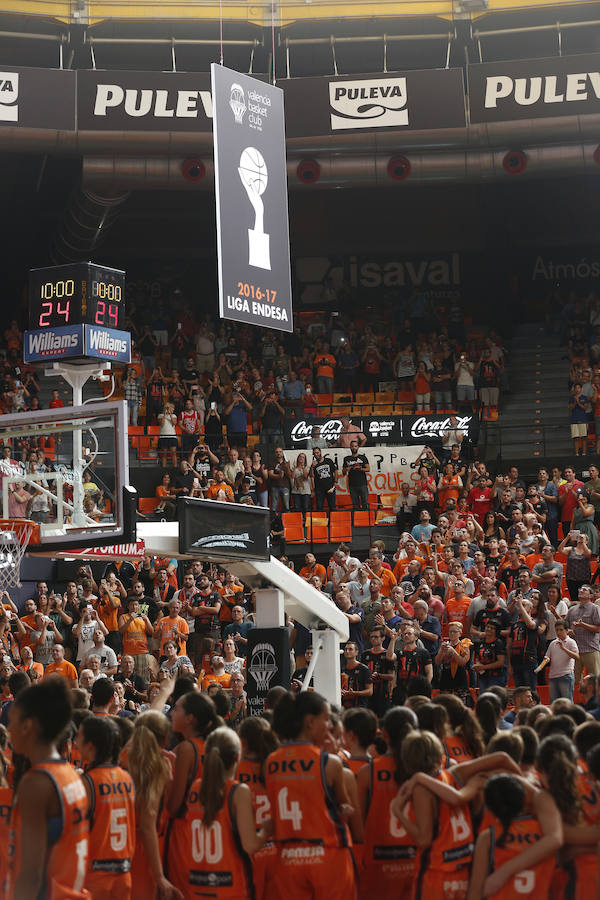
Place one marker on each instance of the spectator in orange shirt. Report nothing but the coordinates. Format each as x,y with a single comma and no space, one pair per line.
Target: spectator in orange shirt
60,666
312,567
376,569
220,488
325,364
167,498
410,550
172,628
219,675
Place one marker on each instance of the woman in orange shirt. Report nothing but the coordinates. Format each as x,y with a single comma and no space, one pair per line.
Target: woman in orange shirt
193,717
107,607
49,826
223,829
112,811
151,771
258,741
309,801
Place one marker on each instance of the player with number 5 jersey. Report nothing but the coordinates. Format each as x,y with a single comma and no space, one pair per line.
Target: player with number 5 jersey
111,797
48,852
309,802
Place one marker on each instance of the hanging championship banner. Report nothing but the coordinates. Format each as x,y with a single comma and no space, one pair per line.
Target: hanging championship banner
253,245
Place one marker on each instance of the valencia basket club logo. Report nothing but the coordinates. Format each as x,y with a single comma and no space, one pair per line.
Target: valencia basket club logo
237,102
263,666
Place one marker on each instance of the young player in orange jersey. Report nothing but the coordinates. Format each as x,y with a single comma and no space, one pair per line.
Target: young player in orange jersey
443,834
466,741
258,741
194,716
48,851
360,730
150,767
309,803
506,853
111,798
388,865
223,829
6,801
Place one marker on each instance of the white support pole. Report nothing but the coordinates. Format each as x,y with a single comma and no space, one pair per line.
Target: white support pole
270,608
76,376
326,678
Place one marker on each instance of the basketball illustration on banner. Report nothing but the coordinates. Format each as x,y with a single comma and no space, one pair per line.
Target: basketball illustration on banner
254,176
263,666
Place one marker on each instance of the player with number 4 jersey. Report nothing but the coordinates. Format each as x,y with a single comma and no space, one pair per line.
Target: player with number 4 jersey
309,802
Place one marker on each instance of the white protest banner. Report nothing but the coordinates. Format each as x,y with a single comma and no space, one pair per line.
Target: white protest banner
389,466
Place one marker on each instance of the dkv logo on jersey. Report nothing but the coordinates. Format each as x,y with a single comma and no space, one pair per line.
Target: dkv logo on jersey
368,103
9,95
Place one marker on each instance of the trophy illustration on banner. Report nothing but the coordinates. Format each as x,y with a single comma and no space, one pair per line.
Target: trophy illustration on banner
253,175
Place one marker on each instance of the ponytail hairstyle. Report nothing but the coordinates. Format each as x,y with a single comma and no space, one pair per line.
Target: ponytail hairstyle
203,709
147,766
397,723
422,751
362,723
530,742
223,750
504,796
102,733
259,740
462,720
49,703
557,761
292,709
434,718
488,710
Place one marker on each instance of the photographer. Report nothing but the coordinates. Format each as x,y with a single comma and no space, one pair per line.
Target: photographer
235,412
271,414
452,659
85,628
202,460
582,520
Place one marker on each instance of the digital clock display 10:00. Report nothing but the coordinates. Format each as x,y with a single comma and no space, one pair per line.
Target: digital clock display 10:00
76,294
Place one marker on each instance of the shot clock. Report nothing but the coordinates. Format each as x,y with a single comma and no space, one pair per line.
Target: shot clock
76,294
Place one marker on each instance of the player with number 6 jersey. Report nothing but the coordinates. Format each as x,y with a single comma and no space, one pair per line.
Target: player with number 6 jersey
389,852
309,802
111,797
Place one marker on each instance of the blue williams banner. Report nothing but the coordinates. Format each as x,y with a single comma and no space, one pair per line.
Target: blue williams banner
107,343
54,343
77,342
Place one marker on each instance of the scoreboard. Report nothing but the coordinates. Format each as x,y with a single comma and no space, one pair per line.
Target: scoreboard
77,314
76,294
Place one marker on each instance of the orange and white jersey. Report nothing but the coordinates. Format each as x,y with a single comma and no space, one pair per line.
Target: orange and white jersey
456,748
386,838
302,804
216,863
453,836
6,801
248,772
112,823
68,838
535,882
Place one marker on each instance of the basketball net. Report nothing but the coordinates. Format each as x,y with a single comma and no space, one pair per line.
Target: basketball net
15,535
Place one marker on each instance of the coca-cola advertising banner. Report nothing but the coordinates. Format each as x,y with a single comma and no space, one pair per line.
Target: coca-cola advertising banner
381,430
389,467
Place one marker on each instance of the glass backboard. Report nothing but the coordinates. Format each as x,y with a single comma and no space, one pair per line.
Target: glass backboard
67,470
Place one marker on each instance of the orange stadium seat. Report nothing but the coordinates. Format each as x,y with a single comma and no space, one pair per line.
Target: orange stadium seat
293,527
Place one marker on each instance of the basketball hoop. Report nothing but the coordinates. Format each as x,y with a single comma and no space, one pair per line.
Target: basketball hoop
15,536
